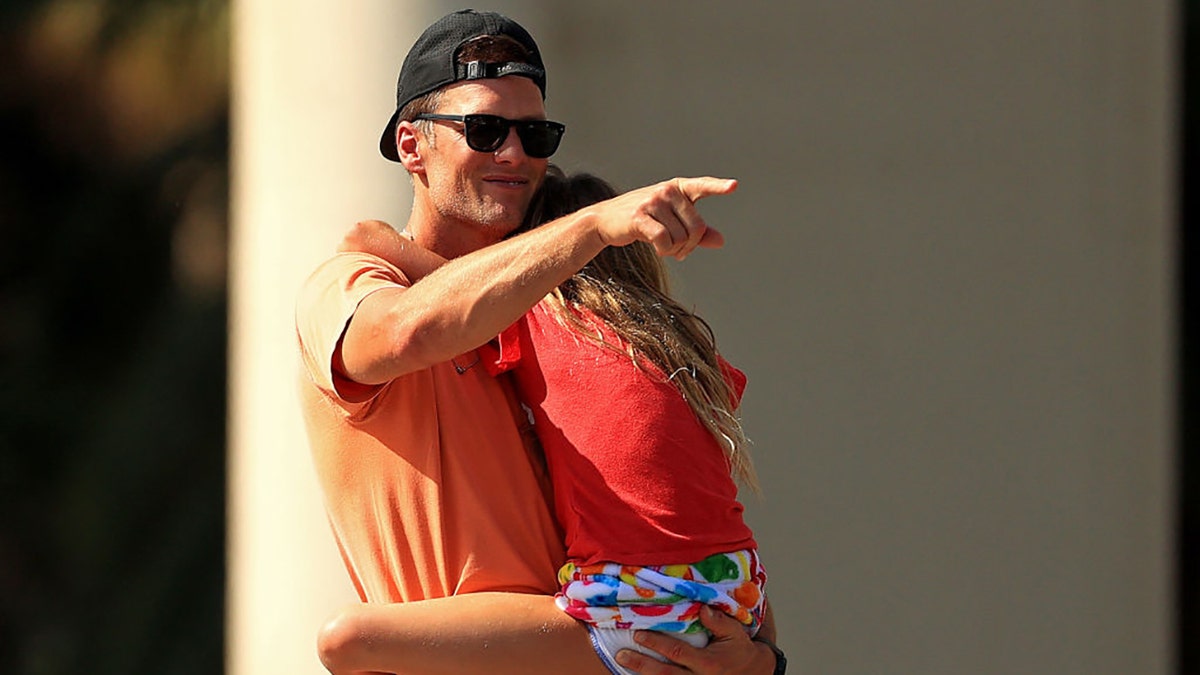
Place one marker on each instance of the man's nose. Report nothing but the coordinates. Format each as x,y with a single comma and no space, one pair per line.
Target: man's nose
511,151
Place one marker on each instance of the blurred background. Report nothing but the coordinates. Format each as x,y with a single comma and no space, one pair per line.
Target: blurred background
900,324
114,123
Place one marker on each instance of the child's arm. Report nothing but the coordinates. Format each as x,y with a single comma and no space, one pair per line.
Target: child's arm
380,239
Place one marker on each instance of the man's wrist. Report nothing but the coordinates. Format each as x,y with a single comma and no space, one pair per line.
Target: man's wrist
780,658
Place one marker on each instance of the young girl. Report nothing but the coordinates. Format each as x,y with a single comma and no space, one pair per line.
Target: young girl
636,413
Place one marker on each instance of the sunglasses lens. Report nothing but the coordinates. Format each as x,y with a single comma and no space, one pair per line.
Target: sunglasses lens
485,133
539,139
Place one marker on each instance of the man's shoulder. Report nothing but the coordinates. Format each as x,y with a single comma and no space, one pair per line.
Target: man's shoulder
347,278
352,265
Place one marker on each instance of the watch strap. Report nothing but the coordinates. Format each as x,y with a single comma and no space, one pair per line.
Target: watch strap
780,659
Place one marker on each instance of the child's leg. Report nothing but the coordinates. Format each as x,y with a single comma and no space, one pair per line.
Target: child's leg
609,641
475,633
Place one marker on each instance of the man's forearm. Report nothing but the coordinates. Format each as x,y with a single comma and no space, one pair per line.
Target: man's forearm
466,302
492,633
471,299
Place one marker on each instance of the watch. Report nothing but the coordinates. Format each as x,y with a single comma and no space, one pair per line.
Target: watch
780,659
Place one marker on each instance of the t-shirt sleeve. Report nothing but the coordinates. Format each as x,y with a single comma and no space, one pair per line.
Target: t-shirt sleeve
735,378
327,301
502,353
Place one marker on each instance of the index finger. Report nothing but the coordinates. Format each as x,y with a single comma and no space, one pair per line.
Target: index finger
694,189
705,186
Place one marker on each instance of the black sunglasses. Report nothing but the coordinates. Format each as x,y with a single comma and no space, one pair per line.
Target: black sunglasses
486,133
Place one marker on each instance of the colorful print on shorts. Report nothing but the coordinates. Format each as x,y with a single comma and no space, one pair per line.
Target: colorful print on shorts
665,597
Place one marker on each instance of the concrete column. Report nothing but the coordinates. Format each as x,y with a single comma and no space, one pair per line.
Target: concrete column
311,94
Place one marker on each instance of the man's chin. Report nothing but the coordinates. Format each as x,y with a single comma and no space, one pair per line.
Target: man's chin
498,228
504,219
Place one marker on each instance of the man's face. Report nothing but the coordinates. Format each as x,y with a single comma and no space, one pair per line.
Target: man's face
488,191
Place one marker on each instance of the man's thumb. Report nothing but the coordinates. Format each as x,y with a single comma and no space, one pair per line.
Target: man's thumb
720,624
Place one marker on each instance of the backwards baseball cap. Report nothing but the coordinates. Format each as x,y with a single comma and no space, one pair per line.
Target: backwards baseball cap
432,64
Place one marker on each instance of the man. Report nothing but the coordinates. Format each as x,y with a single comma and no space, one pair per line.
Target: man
430,486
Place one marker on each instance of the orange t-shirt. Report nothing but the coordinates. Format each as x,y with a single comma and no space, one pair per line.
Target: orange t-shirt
429,482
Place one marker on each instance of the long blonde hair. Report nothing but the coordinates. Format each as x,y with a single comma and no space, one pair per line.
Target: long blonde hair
627,288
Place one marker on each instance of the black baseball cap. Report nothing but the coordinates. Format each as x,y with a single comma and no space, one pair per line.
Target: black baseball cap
430,63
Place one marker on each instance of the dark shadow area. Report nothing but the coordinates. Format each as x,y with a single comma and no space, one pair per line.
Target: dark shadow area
1188,547
113,192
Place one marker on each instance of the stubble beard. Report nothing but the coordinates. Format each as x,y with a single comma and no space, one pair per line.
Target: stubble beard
494,219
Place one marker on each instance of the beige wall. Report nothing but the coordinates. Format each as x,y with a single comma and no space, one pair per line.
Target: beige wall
948,277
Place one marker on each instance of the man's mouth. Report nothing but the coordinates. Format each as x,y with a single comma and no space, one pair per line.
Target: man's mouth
507,181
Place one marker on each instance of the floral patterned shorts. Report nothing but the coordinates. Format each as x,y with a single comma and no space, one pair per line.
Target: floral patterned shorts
665,597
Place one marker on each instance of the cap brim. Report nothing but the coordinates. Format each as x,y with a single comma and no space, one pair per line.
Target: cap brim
387,142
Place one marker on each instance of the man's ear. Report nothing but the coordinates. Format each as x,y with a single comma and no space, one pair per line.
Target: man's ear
408,147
